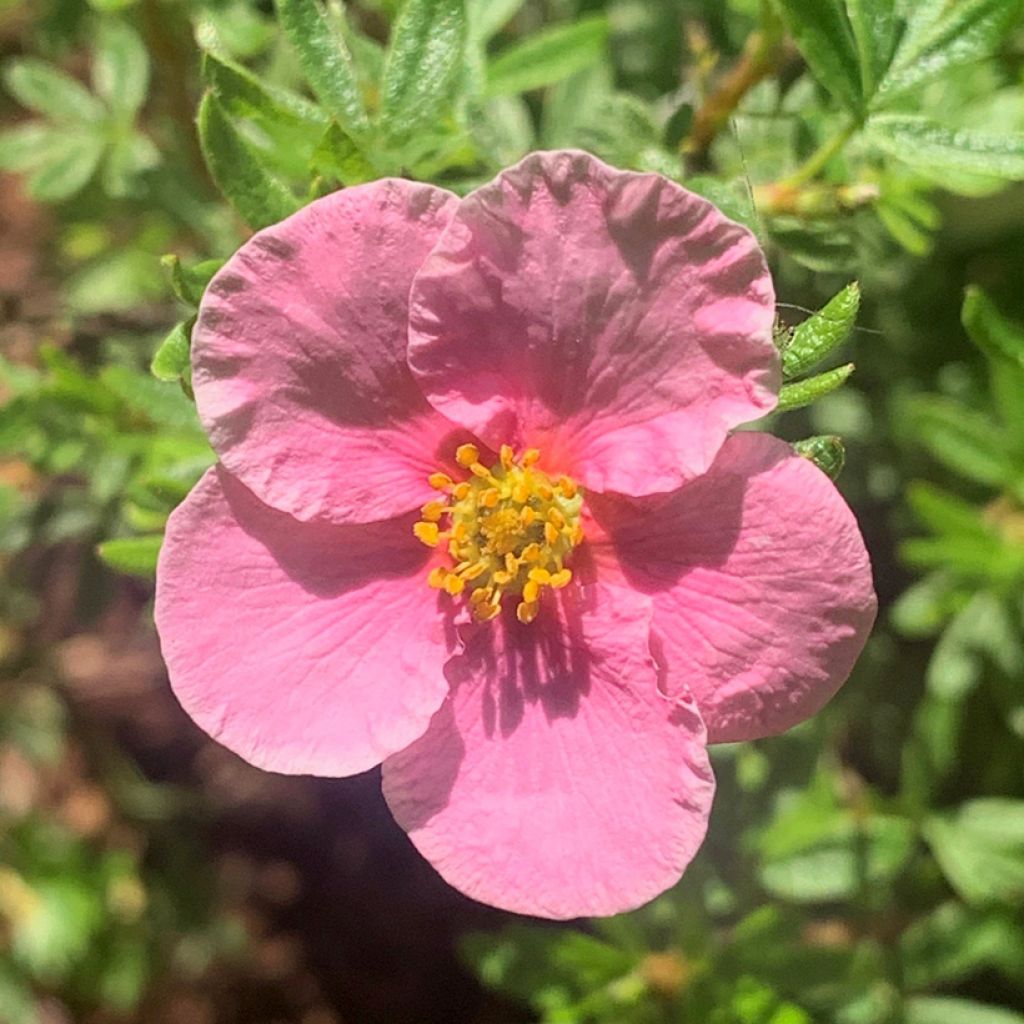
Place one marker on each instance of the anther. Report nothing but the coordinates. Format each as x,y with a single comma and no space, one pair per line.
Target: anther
530,457
428,533
507,456
439,481
526,611
467,454
433,510
436,577
561,578
454,584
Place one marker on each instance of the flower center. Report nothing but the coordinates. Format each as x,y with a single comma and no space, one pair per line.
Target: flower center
509,530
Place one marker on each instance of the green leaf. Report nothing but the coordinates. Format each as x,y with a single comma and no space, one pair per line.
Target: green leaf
255,192
125,160
968,31
120,67
804,392
827,452
243,95
825,39
488,17
945,513
325,61
874,31
947,1010
549,56
136,556
1002,342
48,90
968,442
424,61
931,145
338,159
67,170
954,942
31,145
189,283
980,848
171,361
813,339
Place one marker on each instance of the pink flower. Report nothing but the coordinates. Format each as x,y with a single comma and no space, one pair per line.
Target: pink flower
602,579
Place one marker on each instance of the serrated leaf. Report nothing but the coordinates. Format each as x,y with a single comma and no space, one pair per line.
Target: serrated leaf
874,31
549,56
171,361
819,334
325,61
804,392
425,60
120,68
134,555
967,31
258,195
68,170
922,142
968,442
825,40
1002,342
48,90
826,451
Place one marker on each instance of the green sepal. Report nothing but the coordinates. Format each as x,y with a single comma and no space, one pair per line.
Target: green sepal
804,392
812,340
172,359
826,451
337,159
189,283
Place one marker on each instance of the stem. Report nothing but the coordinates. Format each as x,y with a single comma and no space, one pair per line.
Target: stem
760,56
819,159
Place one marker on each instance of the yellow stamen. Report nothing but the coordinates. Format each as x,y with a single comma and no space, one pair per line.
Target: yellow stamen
467,454
428,533
433,510
512,529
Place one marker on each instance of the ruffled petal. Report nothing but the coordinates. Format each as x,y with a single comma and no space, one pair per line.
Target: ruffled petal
557,780
299,357
304,648
614,319
762,589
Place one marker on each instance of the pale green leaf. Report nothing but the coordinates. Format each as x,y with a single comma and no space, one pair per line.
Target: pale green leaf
874,31
120,67
1003,344
134,555
255,192
551,55
424,61
966,31
920,141
68,168
48,90
325,61
947,1010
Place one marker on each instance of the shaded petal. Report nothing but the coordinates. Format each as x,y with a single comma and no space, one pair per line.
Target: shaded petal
616,320
761,584
557,780
301,647
299,357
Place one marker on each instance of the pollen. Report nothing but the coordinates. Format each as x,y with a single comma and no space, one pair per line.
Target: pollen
509,530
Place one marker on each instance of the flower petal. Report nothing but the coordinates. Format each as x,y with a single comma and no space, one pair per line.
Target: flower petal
762,588
613,319
299,357
301,647
557,780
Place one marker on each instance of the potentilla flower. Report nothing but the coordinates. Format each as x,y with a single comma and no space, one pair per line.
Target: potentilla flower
479,517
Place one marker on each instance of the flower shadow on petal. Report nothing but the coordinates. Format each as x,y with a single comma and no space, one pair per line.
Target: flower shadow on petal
364,552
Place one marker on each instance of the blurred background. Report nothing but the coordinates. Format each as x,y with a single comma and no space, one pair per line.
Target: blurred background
865,868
